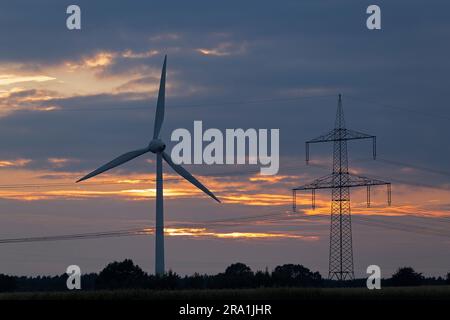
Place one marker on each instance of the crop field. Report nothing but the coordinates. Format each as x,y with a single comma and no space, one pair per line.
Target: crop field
303,294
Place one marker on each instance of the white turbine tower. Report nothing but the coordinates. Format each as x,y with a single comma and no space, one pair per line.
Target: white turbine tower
156,146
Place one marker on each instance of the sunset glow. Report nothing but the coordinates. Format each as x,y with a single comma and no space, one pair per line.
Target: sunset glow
143,189
204,233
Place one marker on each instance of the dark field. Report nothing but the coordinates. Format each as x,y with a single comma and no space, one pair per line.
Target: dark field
304,294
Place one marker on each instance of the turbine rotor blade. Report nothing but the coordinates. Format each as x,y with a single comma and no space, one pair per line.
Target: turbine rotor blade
116,162
189,177
159,115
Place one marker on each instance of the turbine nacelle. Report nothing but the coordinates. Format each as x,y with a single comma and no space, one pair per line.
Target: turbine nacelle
156,146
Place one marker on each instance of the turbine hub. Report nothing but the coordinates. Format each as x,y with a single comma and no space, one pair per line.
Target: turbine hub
156,145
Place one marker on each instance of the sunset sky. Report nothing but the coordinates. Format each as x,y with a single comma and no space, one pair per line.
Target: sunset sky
72,100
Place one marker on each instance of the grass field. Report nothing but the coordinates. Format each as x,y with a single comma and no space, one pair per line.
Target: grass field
305,294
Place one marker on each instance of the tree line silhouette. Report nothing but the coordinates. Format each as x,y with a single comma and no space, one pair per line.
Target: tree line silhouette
127,275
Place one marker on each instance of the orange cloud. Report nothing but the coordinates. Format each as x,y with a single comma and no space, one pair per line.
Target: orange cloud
7,79
14,163
204,233
60,162
233,190
139,55
100,59
223,49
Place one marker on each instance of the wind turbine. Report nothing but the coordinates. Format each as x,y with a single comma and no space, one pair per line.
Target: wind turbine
156,146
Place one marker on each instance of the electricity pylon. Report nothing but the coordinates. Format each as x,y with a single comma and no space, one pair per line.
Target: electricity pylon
340,182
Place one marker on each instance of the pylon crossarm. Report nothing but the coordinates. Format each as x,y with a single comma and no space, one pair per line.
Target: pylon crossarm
359,181
324,182
340,135
348,180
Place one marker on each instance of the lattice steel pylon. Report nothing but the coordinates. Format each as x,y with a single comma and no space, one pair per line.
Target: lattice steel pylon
340,181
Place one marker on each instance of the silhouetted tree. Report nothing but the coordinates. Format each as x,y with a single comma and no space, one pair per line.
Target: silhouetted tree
195,281
169,280
127,275
406,276
237,275
295,275
121,275
238,269
88,281
7,283
262,279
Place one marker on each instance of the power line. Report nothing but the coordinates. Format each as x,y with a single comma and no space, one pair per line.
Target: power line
370,221
123,181
131,232
403,109
404,227
96,235
414,166
286,168
274,216
72,184
257,101
206,104
401,181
